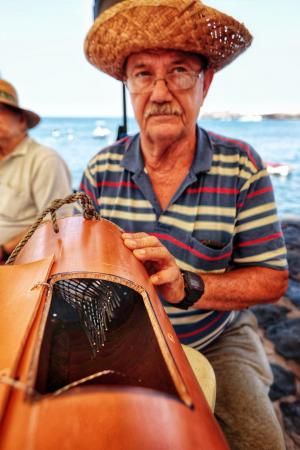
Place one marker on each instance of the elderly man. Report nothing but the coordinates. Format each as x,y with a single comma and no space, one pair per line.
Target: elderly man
198,208
31,175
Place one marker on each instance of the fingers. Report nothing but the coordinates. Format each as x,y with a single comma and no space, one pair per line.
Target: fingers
146,247
149,248
135,235
156,254
164,276
170,284
140,240
159,262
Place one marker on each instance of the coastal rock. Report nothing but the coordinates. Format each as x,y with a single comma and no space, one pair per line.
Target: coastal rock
291,418
293,292
284,383
280,331
268,315
293,258
291,231
285,335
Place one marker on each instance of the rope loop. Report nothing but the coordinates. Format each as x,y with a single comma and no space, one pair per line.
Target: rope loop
89,213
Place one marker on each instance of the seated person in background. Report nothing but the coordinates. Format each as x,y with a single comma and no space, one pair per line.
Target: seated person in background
31,175
198,208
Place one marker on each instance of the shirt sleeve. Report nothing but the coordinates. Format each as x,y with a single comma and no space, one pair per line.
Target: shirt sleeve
258,239
51,180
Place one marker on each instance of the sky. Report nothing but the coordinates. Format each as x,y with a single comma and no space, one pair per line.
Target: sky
41,53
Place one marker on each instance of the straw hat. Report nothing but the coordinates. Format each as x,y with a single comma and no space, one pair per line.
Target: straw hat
132,26
9,96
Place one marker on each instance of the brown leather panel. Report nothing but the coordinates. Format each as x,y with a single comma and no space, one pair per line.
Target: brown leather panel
98,417
114,419
19,303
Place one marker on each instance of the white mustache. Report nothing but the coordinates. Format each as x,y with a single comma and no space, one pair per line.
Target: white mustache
156,109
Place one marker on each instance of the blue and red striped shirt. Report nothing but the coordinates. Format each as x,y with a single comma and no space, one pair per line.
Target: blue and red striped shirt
223,215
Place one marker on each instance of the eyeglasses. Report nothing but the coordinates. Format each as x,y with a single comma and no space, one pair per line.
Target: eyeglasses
176,81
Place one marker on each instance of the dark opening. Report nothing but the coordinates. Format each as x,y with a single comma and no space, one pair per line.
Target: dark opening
98,332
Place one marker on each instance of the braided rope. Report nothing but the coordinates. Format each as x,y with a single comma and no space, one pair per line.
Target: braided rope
89,213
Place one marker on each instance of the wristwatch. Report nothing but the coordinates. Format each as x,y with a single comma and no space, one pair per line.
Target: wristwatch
194,289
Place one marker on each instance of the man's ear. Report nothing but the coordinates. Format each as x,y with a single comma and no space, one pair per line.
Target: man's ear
208,77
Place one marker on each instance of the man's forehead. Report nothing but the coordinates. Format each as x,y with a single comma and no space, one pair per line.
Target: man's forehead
145,57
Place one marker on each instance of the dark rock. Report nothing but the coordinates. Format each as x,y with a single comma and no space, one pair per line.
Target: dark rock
285,335
284,383
293,257
268,315
291,416
293,292
291,231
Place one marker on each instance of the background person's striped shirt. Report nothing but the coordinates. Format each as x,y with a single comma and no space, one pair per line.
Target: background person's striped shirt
222,217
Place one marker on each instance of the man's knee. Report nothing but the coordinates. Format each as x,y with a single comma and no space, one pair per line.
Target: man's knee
245,411
243,378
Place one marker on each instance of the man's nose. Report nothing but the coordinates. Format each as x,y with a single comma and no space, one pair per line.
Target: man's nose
160,92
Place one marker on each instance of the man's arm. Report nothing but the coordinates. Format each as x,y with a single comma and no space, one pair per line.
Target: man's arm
243,287
11,244
7,247
236,289
51,180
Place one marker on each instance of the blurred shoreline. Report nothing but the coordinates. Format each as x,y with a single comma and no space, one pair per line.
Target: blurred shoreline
250,117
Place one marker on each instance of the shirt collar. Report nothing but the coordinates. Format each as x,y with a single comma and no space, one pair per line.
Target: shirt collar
204,152
20,150
133,160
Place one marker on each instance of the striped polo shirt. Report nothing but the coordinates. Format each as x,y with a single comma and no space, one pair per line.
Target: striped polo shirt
223,215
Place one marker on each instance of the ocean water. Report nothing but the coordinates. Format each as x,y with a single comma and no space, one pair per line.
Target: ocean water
275,141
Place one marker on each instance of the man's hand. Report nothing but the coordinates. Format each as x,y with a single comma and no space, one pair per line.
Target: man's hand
160,264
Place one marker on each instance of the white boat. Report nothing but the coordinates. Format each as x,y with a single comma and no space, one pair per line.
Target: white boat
56,133
63,133
100,131
281,169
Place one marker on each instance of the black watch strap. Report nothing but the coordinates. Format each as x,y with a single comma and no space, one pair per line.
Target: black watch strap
194,289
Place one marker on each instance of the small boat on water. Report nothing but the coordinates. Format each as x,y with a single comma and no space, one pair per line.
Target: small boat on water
56,133
280,169
63,133
100,131
89,358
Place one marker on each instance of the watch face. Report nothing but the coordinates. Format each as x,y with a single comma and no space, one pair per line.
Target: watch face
194,289
194,282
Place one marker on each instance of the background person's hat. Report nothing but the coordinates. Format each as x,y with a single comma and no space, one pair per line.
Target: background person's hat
9,96
132,26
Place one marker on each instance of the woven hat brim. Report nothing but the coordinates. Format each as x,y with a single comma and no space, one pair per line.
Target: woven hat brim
131,27
32,119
